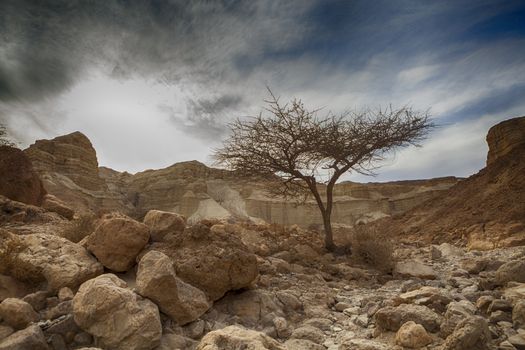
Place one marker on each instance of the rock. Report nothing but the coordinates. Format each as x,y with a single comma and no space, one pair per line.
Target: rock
449,251
498,316
302,344
412,335
518,341
117,317
58,310
456,312
12,288
41,257
63,326
17,313
471,333
156,276
55,205
37,300
251,308
18,179
5,331
499,305
438,298
162,223
117,241
518,314
515,293
172,341
512,271
391,318
474,265
409,269
214,263
65,293
235,337
310,333
30,338
504,137
362,344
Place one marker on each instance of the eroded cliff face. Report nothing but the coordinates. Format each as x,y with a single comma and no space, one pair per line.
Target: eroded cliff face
69,169
504,137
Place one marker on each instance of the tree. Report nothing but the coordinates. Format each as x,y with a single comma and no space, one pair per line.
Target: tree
4,140
303,150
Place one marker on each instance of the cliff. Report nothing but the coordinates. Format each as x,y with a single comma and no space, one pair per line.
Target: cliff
69,169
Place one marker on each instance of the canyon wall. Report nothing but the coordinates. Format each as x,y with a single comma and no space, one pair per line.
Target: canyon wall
69,169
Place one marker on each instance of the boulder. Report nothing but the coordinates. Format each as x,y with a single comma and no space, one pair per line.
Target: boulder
412,335
117,240
310,333
515,293
456,312
117,317
504,137
17,313
41,257
235,337
302,344
391,318
162,223
513,271
30,338
471,333
157,281
18,180
410,269
362,344
55,205
214,263
518,314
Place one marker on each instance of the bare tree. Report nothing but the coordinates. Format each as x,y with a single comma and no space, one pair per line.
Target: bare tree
4,140
304,150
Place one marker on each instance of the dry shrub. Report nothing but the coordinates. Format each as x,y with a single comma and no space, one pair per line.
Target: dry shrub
79,228
373,248
10,247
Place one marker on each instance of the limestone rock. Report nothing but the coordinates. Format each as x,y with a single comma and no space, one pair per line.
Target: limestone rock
504,137
456,312
214,263
310,333
362,344
30,338
302,344
12,288
414,269
18,180
470,333
116,316
518,314
162,222
512,271
41,257
157,281
515,293
17,313
412,335
117,240
52,203
391,318
235,337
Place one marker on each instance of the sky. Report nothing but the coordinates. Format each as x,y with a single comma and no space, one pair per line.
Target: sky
152,83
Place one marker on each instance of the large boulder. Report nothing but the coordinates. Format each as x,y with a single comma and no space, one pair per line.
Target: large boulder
456,312
470,333
213,262
117,317
512,271
31,338
55,205
235,337
157,281
18,180
41,257
391,318
117,241
17,313
162,223
412,335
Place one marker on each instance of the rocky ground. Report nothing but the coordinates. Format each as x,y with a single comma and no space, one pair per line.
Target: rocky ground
216,285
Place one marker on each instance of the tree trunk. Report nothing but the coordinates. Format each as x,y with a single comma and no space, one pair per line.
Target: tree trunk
328,237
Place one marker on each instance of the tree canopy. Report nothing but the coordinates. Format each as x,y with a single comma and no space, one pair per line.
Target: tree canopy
303,149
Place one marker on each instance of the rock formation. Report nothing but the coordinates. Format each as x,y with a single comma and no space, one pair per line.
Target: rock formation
69,169
18,180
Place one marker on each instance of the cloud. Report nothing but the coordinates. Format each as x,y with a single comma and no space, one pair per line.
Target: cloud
182,70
